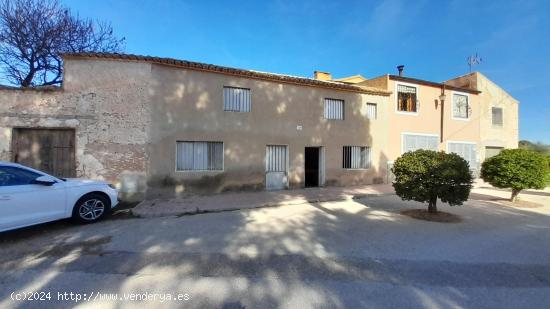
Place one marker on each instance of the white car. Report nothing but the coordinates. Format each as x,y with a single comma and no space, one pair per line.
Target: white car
29,197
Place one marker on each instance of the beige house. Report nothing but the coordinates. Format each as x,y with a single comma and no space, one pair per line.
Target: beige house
162,126
166,127
498,114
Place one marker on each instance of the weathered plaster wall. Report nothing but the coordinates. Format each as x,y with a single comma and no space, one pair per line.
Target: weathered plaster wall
188,106
492,95
107,104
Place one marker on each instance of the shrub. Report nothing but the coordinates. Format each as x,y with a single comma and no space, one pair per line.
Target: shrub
425,175
517,169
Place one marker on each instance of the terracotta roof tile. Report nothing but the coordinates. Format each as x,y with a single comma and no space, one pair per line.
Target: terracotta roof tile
234,71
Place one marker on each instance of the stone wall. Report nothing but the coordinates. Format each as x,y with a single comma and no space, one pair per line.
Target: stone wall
107,104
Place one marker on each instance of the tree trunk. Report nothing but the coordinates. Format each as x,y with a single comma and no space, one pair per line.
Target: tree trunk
514,196
432,206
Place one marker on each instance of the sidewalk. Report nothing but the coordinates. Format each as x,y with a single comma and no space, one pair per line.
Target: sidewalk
249,200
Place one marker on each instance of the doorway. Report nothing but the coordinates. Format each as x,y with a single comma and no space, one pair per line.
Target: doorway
312,166
49,150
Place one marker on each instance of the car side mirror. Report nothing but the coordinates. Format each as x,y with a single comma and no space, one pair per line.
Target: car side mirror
45,180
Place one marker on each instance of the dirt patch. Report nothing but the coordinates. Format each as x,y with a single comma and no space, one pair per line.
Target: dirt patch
518,203
423,214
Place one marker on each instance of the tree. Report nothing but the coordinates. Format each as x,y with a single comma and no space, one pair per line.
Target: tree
34,33
425,175
537,147
517,169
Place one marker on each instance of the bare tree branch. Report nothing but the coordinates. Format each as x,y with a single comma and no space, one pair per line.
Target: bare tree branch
33,33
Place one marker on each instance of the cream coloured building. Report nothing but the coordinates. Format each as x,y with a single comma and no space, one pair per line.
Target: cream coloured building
166,127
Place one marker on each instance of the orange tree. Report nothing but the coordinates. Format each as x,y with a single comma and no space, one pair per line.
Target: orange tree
426,175
517,169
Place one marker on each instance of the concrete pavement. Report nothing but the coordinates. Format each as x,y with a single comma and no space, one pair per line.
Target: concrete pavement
351,253
194,204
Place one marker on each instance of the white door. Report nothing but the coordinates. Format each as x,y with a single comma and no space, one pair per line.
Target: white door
24,203
276,167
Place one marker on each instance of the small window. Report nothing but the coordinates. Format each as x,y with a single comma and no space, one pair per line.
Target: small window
497,116
199,156
13,176
406,99
334,109
371,111
356,157
492,151
460,106
236,99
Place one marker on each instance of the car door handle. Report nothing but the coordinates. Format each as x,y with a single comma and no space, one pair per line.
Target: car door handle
5,198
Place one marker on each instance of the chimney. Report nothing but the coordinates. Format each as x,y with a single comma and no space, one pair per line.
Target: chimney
400,69
318,75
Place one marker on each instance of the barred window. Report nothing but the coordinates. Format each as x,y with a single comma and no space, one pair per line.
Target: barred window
334,109
497,116
236,99
406,99
356,157
460,106
199,156
371,111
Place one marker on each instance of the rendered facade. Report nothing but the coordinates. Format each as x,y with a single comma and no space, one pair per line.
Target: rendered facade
165,127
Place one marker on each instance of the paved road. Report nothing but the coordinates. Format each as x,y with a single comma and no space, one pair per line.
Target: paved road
356,253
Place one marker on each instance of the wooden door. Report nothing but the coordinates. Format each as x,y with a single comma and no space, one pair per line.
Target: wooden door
49,150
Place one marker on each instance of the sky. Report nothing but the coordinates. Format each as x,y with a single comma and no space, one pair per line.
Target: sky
431,38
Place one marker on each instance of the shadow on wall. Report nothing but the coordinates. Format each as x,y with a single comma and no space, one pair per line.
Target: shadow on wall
189,107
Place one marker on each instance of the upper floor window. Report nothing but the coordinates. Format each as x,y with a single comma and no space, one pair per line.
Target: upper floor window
497,116
356,157
236,99
406,99
460,106
334,109
199,156
371,111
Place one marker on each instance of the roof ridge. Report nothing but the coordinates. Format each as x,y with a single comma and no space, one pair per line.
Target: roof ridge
199,66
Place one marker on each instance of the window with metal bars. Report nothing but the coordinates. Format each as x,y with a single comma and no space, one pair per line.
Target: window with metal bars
236,99
356,157
460,106
406,99
199,156
334,109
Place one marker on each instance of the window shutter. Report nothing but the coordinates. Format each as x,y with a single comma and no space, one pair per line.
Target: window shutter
334,109
236,99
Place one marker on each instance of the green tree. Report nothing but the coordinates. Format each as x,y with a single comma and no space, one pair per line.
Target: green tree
537,147
517,169
425,175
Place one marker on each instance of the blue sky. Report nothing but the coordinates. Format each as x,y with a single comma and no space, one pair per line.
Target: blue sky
431,38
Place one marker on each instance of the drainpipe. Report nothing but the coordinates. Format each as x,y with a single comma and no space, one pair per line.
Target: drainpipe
442,98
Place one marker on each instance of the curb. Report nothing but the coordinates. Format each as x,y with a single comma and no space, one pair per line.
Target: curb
198,211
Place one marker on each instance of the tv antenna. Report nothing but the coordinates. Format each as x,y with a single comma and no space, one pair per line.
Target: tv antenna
473,60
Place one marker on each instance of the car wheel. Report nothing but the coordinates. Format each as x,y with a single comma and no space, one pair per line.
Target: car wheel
91,208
